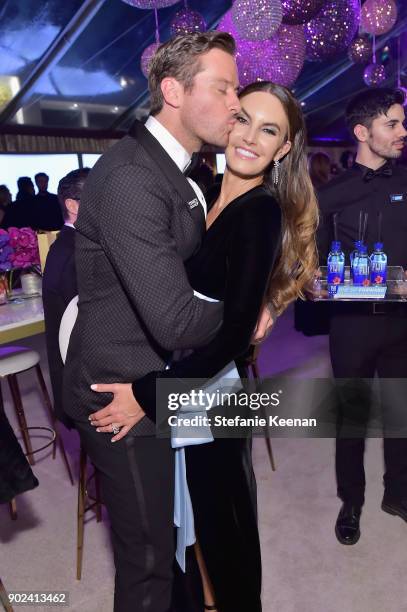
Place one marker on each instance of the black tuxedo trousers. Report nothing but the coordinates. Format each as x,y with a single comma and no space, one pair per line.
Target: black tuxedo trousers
362,346
137,481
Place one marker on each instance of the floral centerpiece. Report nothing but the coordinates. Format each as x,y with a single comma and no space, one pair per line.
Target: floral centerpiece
18,251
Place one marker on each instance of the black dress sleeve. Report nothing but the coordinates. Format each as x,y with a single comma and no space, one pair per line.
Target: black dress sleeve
254,245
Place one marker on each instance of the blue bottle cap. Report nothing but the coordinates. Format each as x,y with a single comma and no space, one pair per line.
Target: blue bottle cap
362,248
335,246
378,246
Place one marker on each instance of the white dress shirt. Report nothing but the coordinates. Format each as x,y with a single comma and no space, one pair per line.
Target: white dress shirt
176,151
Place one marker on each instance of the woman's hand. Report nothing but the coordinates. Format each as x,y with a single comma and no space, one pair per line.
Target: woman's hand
123,411
264,325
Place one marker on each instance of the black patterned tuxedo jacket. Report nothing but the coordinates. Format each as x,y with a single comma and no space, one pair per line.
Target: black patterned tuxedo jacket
139,220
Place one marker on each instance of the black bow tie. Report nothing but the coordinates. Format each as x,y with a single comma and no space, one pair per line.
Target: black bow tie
384,171
193,164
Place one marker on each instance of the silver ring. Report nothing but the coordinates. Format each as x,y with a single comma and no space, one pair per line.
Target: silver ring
115,429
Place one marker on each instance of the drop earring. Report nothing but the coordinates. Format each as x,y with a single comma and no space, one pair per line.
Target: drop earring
276,172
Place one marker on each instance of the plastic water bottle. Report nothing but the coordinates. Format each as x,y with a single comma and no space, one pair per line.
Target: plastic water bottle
358,244
336,264
360,267
378,265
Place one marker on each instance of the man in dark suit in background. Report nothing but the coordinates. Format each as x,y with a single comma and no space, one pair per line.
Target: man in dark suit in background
59,284
47,211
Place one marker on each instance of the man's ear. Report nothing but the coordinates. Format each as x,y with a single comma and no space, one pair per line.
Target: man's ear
172,91
72,206
361,132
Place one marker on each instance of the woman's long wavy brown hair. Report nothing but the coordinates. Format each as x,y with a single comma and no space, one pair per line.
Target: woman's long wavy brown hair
295,194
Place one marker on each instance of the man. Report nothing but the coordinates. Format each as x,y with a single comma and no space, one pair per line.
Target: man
47,211
5,201
59,284
365,338
139,221
20,212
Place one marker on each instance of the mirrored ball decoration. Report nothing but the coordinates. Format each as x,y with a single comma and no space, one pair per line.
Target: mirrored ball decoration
374,75
187,21
332,31
288,51
378,16
146,58
226,24
298,12
150,4
360,50
257,19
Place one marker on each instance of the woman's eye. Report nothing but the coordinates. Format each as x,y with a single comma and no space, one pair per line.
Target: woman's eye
241,119
268,131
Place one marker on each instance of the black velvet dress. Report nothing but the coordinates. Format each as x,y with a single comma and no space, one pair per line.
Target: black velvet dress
233,265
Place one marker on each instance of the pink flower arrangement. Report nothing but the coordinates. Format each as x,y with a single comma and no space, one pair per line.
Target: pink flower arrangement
24,243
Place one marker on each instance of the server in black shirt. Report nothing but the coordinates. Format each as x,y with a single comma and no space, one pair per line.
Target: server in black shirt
368,339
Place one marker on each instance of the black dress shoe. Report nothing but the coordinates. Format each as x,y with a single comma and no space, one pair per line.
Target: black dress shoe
397,508
347,528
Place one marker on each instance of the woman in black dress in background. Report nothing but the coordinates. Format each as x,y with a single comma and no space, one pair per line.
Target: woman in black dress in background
259,247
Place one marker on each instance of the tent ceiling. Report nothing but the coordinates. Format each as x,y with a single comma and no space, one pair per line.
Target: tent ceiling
76,64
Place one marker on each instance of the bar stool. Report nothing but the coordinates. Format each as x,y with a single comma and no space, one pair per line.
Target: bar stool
13,361
86,502
250,362
4,598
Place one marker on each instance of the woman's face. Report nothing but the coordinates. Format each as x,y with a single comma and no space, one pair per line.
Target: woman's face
259,135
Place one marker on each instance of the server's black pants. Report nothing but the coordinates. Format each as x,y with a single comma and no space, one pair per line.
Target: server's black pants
137,481
361,346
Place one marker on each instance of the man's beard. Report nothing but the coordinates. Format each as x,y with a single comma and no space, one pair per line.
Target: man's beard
385,152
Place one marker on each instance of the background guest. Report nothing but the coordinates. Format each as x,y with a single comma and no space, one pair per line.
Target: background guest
48,215
21,212
347,159
59,283
5,200
320,169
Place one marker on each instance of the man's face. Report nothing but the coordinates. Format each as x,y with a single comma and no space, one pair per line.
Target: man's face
42,183
208,110
386,134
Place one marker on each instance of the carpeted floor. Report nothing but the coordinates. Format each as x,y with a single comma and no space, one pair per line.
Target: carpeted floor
304,568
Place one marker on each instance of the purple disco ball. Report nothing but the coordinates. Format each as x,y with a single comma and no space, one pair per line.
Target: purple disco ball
257,19
332,31
360,50
150,4
288,54
187,22
279,60
378,16
298,12
147,56
226,24
254,61
374,75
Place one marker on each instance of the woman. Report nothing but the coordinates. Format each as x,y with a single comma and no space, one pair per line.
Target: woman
263,219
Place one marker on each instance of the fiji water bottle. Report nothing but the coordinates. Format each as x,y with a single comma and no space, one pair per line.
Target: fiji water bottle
360,267
378,265
358,244
335,266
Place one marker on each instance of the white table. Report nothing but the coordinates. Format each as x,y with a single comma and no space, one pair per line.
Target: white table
21,318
